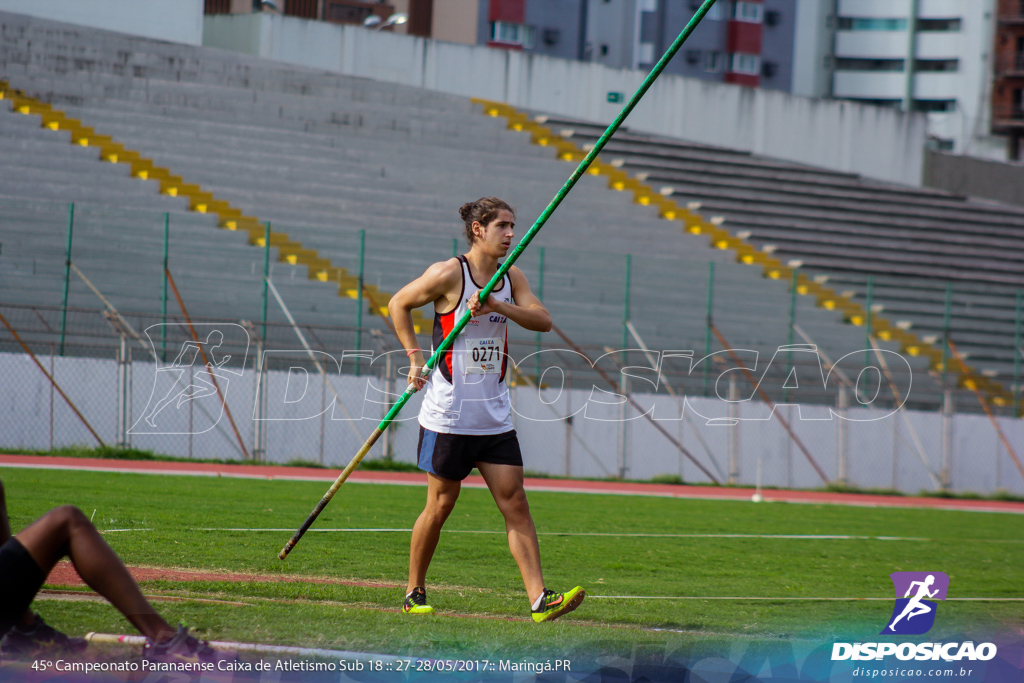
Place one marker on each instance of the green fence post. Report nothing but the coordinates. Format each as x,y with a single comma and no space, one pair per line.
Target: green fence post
945,330
359,297
1017,353
540,295
869,304
163,297
625,301
266,273
67,277
707,321
792,323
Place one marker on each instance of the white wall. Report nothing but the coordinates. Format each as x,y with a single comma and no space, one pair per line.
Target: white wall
177,21
843,136
302,424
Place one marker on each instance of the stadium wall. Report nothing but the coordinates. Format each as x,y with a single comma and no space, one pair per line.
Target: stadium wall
972,177
869,450
877,142
176,21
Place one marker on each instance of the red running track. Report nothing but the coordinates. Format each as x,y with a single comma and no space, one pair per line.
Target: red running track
562,485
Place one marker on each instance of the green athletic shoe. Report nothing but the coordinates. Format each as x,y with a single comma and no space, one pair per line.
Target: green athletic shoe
416,602
554,605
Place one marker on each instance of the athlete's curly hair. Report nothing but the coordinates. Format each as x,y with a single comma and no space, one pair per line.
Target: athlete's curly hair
483,210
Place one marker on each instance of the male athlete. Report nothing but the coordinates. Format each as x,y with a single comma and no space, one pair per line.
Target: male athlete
466,417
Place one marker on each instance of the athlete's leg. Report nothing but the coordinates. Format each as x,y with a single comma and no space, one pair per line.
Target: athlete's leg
441,496
66,531
506,485
908,609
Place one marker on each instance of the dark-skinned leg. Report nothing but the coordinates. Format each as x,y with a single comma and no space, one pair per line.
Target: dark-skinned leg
441,496
66,531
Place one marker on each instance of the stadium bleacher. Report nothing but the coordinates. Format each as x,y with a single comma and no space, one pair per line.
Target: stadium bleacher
322,156
913,244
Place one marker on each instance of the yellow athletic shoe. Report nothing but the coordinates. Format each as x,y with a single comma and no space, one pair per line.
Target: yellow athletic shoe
554,605
416,602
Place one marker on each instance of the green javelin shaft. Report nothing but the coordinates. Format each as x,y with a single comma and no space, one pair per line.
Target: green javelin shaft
489,287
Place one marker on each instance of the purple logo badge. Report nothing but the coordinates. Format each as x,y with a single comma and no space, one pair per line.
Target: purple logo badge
914,613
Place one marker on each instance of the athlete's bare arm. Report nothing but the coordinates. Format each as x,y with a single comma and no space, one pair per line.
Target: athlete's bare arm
527,311
441,285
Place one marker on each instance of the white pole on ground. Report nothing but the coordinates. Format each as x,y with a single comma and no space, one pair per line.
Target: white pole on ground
257,648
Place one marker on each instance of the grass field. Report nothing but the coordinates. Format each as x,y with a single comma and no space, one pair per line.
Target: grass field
475,586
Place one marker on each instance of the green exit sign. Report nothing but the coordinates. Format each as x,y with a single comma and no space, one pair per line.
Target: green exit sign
614,97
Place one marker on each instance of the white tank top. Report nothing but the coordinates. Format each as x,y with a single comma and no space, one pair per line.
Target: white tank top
466,393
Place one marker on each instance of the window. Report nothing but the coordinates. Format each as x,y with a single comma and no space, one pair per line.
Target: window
941,144
859,24
515,34
938,24
934,105
888,104
852,64
748,11
743,63
645,55
713,61
714,13
936,64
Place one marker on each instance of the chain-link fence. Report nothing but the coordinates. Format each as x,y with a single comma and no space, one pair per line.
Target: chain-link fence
703,371
208,389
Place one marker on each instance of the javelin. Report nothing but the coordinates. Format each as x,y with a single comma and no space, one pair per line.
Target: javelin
489,287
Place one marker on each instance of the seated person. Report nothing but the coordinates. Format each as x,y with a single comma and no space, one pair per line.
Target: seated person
27,558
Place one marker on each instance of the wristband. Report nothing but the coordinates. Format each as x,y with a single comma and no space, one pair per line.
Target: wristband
412,351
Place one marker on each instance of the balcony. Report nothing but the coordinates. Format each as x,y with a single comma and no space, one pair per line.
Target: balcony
1011,12
1010,65
1008,116
871,85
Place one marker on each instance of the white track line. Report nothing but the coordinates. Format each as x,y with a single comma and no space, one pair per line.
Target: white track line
780,599
804,537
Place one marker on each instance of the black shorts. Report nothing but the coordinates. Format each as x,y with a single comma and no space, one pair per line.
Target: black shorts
453,456
21,579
